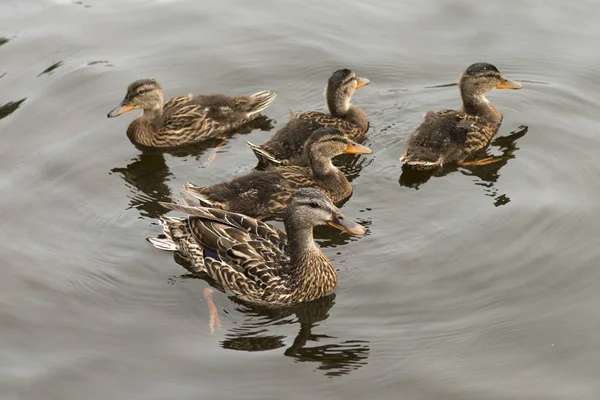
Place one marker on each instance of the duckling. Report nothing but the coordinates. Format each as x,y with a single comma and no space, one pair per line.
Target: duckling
262,194
255,261
455,135
188,119
287,145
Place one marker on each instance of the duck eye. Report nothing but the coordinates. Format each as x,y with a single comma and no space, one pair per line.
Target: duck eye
314,205
142,91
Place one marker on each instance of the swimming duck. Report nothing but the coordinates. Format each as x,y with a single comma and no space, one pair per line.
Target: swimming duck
186,119
287,145
455,135
255,261
262,194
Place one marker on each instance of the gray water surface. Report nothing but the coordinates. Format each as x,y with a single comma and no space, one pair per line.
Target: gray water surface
475,283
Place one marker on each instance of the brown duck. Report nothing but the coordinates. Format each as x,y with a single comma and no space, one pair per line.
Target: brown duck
255,261
286,147
187,119
457,135
262,194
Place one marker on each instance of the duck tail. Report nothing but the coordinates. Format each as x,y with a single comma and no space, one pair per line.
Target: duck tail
199,194
167,243
162,244
263,155
419,163
258,101
189,200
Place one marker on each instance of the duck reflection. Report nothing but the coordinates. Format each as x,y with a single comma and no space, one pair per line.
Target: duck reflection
352,165
147,176
336,358
327,236
148,173
487,174
10,107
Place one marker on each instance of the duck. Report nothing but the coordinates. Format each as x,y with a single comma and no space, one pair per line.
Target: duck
265,193
185,120
255,261
286,147
455,136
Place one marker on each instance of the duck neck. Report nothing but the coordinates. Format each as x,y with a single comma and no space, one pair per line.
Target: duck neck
477,105
321,166
311,274
337,104
328,176
301,244
340,107
154,113
145,128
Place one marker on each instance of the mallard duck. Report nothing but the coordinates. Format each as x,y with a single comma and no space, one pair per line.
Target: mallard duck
261,194
255,261
287,145
455,135
187,119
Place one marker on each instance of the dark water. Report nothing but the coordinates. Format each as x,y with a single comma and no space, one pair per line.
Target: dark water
474,284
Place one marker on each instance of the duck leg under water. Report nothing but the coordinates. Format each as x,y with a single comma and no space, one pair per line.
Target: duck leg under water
213,154
212,309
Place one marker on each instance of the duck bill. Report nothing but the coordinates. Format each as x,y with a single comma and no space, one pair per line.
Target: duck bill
506,83
344,225
360,82
355,148
120,109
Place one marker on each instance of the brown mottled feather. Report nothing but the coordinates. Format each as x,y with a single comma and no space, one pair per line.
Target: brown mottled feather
447,136
188,120
286,146
248,257
262,194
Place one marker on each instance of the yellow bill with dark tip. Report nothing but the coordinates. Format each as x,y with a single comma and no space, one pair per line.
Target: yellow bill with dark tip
360,82
355,148
340,222
120,109
506,83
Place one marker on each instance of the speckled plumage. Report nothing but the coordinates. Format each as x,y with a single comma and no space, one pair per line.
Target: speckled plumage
286,147
447,136
186,119
262,194
258,262
457,135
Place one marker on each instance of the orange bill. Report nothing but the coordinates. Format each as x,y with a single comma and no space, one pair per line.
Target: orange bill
340,222
120,109
360,82
506,83
355,148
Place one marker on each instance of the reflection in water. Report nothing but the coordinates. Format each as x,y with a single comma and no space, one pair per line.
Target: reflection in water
10,107
487,174
51,68
147,174
351,165
337,358
106,63
327,236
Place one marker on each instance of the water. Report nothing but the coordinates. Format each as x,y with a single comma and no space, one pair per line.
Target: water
473,284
